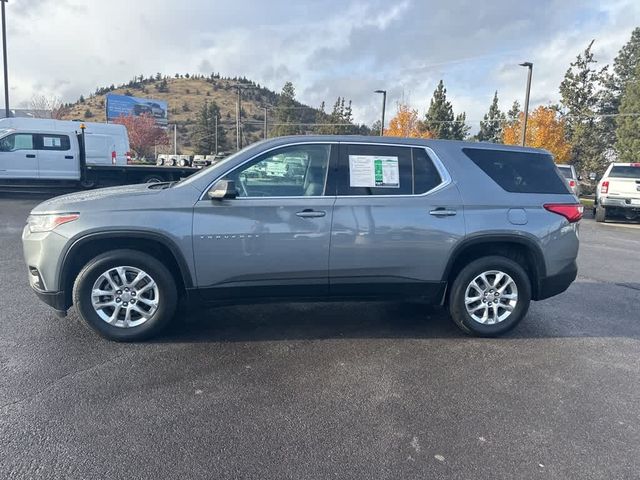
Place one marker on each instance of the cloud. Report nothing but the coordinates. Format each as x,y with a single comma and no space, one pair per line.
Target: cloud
326,47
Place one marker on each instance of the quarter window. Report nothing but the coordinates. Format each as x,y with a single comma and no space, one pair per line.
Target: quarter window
295,171
425,173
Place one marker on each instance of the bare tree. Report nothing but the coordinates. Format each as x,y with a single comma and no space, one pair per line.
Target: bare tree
44,106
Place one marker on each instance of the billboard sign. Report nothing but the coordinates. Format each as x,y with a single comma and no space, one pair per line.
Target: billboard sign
125,105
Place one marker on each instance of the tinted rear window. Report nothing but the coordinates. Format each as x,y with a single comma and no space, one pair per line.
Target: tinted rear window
566,171
519,172
625,172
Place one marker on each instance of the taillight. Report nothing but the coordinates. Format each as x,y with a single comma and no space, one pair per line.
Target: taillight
570,211
128,155
605,187
572,183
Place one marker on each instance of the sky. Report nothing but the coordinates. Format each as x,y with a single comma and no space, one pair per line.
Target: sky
327,48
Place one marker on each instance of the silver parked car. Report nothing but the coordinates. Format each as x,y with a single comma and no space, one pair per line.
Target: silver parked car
481,229
572,178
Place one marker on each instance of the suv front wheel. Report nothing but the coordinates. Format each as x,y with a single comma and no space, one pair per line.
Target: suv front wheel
489,296
125,295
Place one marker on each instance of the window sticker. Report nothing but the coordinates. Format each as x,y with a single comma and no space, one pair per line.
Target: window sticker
51,142
374,171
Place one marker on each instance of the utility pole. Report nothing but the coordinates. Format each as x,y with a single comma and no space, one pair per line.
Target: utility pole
216,125
4,57
175,138
265,123
529,65
238,140
384,104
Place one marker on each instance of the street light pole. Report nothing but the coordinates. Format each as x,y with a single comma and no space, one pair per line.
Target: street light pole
238,119
529,65
384,104
4,57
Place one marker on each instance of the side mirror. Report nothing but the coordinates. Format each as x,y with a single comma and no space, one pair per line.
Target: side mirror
223,189
579,178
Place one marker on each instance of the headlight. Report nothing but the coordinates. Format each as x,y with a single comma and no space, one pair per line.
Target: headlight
46,223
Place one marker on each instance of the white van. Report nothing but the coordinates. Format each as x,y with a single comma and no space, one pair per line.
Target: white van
105,143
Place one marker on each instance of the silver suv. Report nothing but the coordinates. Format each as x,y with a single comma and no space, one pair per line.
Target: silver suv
481,229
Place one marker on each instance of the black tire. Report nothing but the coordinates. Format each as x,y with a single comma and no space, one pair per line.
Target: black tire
458,310
153,178
183,163
601,214
160,161
163,278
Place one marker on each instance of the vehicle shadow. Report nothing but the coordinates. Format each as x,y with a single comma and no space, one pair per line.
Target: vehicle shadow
565,316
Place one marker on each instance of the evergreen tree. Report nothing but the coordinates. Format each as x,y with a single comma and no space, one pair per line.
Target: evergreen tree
581,100
440,120
204,134
286,112
513,115
439,117
492,124
460,129
628,126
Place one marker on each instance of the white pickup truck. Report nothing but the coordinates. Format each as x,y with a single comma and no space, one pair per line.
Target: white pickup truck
618,192
36,153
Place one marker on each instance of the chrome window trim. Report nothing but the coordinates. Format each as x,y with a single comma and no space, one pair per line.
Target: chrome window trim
444,173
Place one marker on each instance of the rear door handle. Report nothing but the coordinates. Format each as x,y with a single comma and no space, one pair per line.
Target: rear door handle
309,213
69,157
31,155
442,212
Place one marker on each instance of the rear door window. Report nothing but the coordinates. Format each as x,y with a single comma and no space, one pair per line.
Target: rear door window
53,142
374,170
519,172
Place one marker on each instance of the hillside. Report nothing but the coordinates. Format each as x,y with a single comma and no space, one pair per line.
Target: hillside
186,95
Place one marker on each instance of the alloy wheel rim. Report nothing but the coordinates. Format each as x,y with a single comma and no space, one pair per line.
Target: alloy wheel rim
125,296
491,297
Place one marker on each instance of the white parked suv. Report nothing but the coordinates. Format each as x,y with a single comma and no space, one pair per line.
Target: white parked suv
618,192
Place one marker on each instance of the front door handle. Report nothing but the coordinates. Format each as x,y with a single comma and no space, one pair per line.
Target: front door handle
68,157
309,213
30,155
442,212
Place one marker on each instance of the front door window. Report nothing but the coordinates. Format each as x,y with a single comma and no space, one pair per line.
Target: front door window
295,171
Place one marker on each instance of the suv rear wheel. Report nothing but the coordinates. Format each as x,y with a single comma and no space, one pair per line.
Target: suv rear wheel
490,296
125,295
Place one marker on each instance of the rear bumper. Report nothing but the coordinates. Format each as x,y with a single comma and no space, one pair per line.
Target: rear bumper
558,283
620,202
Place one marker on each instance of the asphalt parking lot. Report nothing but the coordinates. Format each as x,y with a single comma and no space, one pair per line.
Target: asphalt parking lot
358,390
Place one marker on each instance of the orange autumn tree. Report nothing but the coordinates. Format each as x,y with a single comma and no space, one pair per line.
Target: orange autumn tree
545,129
406,124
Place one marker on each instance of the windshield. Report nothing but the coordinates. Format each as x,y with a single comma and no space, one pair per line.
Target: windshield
566,171
622,171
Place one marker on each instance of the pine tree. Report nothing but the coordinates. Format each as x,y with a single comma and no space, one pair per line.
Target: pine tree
513,115
628,126
439,117
440,120
286,112
204,134
581,99
492,123
460,129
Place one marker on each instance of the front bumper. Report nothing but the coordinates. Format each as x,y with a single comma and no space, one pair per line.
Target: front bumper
558,283
55,300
